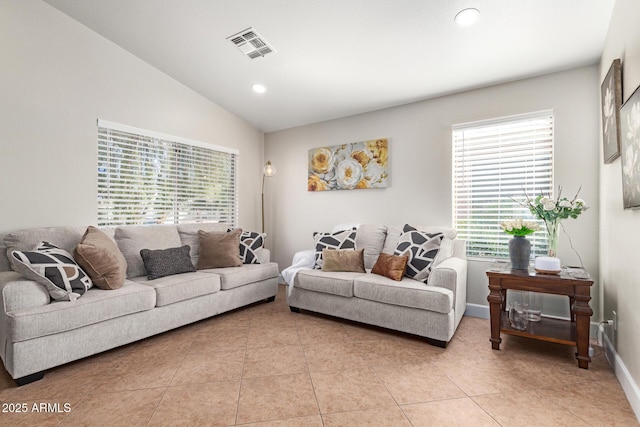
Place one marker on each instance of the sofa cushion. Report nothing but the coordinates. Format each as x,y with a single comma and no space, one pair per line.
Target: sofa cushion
219,249
343,260
340,240
166,262
189,235
66,238
55,269
171,289
233,277
133,238
422,248
97,305
100,257
336,283
391,266
405,293
371,237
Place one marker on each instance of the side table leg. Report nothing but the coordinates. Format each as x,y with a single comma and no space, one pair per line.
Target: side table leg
495,311
583,313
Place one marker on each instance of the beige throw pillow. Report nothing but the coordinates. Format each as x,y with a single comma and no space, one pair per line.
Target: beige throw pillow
219,249
343,260
100,257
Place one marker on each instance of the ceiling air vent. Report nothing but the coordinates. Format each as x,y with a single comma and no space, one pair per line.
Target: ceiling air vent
251,43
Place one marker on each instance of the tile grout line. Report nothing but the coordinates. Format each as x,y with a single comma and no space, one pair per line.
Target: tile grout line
184,356
244,363
306,362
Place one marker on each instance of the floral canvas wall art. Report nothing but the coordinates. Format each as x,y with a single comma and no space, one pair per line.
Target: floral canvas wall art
611,95
356,165
630,130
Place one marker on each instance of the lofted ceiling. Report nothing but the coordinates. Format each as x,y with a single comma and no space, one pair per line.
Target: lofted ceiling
336,58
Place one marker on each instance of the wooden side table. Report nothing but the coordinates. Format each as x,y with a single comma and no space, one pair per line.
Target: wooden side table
574,332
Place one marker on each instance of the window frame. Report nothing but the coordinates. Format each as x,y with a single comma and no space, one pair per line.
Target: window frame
485,238
186,176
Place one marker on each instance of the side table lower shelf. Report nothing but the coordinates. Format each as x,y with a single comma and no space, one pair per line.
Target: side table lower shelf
547,329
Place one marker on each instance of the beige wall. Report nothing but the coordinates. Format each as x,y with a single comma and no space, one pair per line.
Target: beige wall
619,228
57,78
419,189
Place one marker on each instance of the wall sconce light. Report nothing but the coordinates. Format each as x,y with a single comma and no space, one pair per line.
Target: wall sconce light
268,171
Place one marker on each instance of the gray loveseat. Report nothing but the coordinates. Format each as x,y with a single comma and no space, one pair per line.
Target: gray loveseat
38,333
432,309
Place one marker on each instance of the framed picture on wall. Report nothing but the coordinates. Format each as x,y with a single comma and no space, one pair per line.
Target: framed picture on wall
611,96
630,129
353,166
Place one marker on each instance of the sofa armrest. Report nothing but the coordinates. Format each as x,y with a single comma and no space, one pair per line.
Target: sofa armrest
264,255
18,292
452,274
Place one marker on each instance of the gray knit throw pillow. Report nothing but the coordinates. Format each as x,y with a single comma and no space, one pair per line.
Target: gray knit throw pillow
165,262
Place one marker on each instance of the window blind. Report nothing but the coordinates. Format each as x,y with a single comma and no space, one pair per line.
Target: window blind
146,177
496,163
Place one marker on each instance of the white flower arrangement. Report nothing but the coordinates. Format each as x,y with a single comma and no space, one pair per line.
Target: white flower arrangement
554,211
519,227
549,210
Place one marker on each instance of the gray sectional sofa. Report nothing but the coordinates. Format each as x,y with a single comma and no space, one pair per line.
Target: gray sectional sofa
432,309
38,333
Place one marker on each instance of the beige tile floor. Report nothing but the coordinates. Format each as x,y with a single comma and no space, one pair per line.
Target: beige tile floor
265,366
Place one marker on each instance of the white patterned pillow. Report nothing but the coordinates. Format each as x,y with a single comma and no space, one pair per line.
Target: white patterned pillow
422,248
53,268
250,242
340,240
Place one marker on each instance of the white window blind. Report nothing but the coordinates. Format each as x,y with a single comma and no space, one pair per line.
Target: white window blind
495,163
145,177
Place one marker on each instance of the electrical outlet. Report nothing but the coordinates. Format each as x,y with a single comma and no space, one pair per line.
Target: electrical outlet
615,321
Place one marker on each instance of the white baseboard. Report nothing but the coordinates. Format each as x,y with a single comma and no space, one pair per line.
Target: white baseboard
482,311
629,386
477,310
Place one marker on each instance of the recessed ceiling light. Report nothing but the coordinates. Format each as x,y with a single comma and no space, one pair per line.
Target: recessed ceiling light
258,88
467,17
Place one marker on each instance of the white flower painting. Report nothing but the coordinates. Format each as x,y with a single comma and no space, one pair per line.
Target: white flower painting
357,165
630,130
611,94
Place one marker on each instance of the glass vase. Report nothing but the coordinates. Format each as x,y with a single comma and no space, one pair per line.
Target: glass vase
534,309
553,233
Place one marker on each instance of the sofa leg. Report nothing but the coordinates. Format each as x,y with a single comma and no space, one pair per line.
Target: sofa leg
271,299
294,309
29,378
437,343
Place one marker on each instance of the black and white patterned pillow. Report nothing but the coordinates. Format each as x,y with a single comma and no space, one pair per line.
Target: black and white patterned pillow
250,242
421,248
340,240
55,269
166,262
